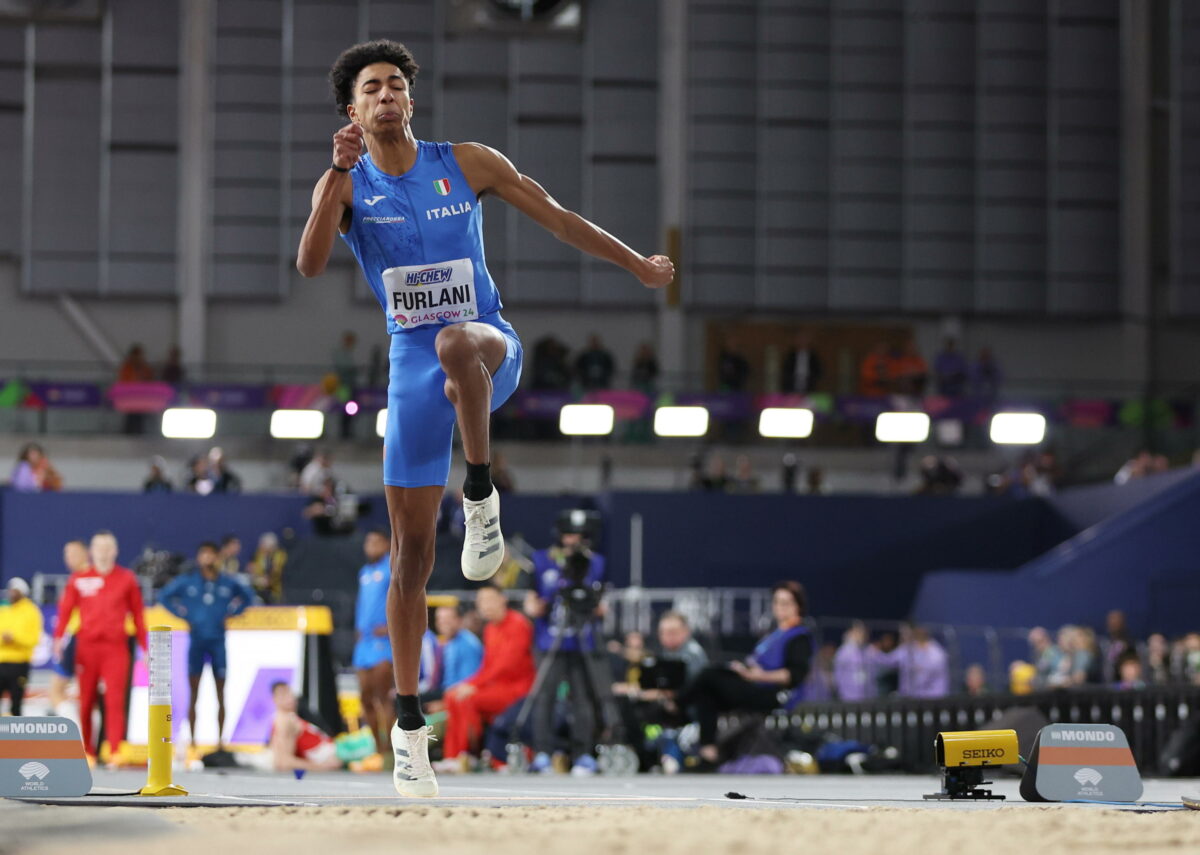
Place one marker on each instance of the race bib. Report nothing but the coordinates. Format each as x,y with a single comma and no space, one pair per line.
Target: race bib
422,294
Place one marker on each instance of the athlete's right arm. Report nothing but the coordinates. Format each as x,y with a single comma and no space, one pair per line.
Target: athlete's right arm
331,202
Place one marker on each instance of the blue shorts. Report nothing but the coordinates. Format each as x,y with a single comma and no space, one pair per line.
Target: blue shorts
370,651
420,418
210,649
65,667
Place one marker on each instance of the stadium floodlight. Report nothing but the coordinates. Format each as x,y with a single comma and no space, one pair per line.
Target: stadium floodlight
681,421
189,423
297,424
586,419
1018,428
381,423
902,427
785,423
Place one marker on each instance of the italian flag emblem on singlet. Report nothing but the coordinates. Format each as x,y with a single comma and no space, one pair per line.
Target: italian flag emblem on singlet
442,186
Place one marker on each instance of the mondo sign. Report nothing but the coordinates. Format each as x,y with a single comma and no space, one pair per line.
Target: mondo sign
1081,762
42,758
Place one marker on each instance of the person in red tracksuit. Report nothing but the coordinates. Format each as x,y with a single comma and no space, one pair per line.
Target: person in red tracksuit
105,595
505,676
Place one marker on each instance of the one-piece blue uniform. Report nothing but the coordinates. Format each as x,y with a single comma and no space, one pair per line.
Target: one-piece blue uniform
419,240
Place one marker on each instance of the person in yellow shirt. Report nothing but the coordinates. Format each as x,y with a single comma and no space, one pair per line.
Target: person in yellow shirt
20,631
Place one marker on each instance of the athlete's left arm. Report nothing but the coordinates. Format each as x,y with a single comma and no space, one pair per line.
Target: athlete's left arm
488,171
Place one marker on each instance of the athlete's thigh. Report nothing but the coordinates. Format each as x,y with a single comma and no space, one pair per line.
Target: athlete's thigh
478,337
412,510
420,419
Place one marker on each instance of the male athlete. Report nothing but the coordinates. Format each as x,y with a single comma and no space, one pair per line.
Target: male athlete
410,211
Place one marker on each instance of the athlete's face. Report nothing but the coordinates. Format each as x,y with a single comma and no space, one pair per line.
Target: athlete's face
383,104
104,552
376,546
75,556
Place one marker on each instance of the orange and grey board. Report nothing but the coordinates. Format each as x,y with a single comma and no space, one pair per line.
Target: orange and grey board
1081,762
42,757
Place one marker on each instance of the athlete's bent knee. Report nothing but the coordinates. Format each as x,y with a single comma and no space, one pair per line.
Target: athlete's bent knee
454,345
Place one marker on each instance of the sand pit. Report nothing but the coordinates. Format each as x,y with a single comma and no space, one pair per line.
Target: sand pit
414,828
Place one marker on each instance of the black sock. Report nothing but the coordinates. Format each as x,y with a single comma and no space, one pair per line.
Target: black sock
478,485
408,712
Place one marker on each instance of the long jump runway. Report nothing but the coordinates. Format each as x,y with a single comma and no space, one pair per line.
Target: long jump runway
656,815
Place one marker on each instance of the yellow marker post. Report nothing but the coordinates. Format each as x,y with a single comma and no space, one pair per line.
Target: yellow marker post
158,771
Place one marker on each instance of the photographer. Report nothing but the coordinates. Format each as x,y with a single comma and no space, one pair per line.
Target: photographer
568,579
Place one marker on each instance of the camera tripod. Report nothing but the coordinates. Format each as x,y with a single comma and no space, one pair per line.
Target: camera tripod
613,755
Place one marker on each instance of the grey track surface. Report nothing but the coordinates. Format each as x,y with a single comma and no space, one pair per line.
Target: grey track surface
246,788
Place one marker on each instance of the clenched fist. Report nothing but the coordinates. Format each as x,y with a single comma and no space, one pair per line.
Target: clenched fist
657,271
347,146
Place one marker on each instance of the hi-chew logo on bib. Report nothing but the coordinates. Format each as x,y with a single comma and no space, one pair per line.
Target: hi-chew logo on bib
442,186
421,294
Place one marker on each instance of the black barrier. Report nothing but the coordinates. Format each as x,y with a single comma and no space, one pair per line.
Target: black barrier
1148,717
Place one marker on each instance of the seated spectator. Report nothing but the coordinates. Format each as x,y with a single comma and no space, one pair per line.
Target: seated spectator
505,677
1078,659
1189,659
940,476
924,666
33,472
457,655
296,743
820,683
975,681
1117,645
549,369
1129,672
1138,466
266,568
334,511
887,672
675,643
134,368
628,657
1046,657
594,366
986,376
1158,660
712,477
316,472
771,677
223,478
199,481
157,481
950,370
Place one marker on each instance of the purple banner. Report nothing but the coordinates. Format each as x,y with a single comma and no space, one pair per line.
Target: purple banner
626,403
541,404
64,395
721,406
371,399
227,396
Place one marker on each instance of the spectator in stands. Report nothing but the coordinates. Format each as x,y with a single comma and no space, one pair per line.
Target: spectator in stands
344,364
924,666
975,681
20,632
550,370
854,665
820,684
887,673
1138,466
950,370
770,677
172,370
594,366
1117,644
744,480
986,376
1189,659
372,648
874,376
157,480
644,374
1158,660
814,481
908,370
1129,672
199,481
230,556
675,643
134,368
940,476
33,472
296,743
802,367
223,478
505,677
205,598
733,369
709,473
107,595
1076,665
334,511
457,655
502,477
316,473
1046,656
627,658
266,568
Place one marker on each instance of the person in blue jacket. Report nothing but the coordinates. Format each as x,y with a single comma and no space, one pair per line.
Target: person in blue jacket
205,597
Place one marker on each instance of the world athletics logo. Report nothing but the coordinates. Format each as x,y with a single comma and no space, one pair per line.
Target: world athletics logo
34,769
1087,776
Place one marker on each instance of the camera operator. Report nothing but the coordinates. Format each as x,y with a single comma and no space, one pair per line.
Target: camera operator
568,580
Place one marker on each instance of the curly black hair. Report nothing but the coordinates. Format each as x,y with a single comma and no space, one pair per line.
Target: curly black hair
355,59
